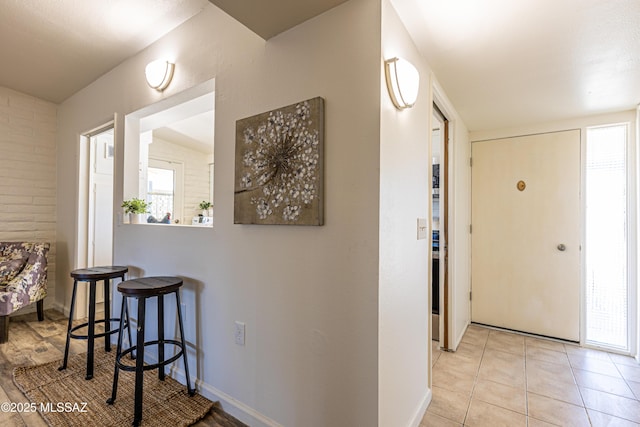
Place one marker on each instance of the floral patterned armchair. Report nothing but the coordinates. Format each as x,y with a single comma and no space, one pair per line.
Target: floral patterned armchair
23,279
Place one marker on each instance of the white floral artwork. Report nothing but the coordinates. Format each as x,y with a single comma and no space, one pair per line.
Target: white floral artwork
279,166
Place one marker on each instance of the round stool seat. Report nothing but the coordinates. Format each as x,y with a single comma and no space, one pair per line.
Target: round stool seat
150,286
99,273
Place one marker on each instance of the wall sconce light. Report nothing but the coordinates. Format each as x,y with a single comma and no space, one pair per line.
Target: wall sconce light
403,81
159,74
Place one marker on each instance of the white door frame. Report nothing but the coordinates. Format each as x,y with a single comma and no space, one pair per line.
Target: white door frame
458,269
83,210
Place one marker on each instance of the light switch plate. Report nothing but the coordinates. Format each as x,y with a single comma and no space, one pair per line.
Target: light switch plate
239,333
422,228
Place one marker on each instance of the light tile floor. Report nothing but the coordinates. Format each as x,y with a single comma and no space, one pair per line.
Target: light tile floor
498,378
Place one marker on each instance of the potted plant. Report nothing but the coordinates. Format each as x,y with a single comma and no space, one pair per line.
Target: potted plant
206,208
137,209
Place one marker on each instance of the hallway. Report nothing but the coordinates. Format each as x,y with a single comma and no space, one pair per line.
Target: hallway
505,379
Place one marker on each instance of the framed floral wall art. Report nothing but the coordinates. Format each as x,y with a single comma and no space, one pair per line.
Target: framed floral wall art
279,166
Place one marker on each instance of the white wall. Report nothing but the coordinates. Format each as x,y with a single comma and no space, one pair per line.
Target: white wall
308,295
404,261
405,184
28,175
637,319
556,126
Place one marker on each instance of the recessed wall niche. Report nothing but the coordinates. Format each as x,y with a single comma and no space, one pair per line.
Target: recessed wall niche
168,157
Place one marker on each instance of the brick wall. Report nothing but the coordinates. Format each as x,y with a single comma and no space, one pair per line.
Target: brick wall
28,173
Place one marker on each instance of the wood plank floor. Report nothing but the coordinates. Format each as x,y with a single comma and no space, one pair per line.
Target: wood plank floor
32,342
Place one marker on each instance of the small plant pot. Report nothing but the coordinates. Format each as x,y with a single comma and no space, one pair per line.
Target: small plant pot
138,218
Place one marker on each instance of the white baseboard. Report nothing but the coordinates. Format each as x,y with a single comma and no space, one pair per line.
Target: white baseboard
59,307
236,408
229,404
459,337
422,409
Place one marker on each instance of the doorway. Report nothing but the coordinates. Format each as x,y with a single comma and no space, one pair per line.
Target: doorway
439,227
526,251
95,208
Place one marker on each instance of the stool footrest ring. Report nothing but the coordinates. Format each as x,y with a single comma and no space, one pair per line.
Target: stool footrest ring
131,368
102,334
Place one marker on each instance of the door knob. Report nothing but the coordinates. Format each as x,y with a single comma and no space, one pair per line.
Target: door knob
562,247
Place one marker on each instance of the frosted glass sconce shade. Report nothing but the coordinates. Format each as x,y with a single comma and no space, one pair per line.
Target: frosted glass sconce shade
403,82
159,74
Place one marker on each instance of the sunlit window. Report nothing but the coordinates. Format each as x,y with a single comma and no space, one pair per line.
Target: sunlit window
160,192
606,237
164,187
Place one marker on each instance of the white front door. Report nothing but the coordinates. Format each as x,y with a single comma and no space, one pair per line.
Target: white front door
526,234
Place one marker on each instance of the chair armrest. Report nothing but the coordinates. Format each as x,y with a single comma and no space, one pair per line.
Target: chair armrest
33,277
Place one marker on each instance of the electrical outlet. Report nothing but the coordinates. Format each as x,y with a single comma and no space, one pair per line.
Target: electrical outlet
239,333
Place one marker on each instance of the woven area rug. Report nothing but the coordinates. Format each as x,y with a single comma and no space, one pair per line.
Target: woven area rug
60,396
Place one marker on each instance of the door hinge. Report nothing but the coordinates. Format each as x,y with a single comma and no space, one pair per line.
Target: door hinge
470,229
469,295
470,161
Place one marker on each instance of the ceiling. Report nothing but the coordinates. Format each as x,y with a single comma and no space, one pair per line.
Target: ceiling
268,18
189,124
502,63
52,49
506,63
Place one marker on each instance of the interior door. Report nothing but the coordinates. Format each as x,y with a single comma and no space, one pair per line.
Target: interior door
526,234
100,249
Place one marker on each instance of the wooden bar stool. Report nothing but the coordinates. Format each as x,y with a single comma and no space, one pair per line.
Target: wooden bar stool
141,289
92,275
